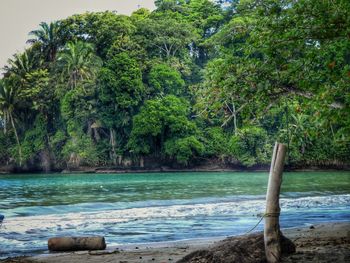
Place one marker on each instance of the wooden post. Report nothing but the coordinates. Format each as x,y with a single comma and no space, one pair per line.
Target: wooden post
272,235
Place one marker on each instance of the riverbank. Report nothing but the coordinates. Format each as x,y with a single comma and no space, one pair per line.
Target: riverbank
320,243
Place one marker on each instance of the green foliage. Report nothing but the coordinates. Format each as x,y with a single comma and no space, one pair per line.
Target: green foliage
9,104
183,149
162,127
77,63
163,79
165,35
215,141
188,79
121,78
120,93
50,39
250,146
34,139
58,140
6,142
125,44
100,28
82,148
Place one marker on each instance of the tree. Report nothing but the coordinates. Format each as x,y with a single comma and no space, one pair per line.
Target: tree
169,5
250,146
181,82
272,51
78,63
168,35
99,28
122,76
203,17
220,98
21,64
272,54
8,104
215,141
163,79
183,149
162,128
78,109
50,39
120,93
37,92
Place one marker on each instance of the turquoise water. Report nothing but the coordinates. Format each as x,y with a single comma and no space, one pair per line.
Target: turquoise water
136,208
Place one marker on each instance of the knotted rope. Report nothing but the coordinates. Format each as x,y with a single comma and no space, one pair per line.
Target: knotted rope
262,217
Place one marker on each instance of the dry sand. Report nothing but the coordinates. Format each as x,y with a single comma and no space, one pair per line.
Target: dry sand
319,243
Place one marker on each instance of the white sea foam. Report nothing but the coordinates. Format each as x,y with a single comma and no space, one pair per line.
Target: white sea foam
92,220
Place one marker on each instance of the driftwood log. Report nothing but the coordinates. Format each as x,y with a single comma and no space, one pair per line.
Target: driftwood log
272,233
76,243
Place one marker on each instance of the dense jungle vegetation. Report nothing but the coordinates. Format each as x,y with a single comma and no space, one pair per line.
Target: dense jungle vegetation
193,80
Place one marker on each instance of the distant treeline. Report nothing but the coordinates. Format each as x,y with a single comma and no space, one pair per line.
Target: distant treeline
192,80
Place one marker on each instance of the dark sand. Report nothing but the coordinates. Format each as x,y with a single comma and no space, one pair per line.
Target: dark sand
319,243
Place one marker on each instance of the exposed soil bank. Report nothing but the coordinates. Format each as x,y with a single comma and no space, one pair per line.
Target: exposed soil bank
319,243
213,166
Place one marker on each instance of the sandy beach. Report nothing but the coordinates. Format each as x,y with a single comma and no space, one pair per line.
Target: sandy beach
318,243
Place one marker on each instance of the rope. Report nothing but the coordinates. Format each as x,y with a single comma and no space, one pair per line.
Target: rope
262,217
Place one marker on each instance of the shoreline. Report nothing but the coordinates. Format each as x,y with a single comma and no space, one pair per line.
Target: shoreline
101,170
328,241
154,166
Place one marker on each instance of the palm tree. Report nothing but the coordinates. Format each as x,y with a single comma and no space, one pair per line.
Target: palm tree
8,104
49,37
77,62
78,65
23,63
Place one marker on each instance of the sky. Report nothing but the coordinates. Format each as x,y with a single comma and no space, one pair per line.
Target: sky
19,17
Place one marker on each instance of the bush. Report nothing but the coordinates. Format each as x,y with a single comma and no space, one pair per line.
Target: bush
183,149
216,142
34,139
250,146
81,146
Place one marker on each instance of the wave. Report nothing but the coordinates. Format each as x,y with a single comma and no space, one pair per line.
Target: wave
107,215
162,220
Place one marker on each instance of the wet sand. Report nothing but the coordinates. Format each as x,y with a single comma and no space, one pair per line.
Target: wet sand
318,243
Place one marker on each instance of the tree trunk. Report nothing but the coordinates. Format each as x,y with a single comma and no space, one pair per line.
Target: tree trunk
89,130
17,139
5,122
112,141
120,159
96,135
272,234
142,162
45,159
234,117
